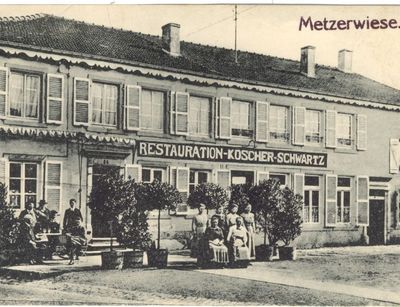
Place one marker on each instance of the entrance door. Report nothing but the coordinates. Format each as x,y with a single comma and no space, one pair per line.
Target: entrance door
99,226
242,177
376,229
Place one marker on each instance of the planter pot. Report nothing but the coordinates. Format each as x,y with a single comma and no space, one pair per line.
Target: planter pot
264,252
158,258
133,259
287,253
112,260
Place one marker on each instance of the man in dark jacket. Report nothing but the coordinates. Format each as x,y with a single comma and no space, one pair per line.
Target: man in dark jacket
72,226
33,249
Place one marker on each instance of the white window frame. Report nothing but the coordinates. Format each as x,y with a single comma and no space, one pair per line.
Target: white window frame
309,189
22,182
59,99
208,116
152,169
196,177
338,144
308,132
341,190
162,116
287,128
103,84
272,174
249,118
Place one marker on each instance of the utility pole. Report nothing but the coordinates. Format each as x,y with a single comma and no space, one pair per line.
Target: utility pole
236,55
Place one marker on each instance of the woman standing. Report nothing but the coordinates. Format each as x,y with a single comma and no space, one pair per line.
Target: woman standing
220,215
232,216
199,226
248,219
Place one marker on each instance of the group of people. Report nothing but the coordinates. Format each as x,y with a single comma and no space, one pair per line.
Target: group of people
223,239
36,223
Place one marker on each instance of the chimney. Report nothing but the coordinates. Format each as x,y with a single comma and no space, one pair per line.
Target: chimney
345,60
307,61
170,38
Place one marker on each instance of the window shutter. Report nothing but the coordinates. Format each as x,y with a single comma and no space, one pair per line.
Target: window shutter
298,184
224,117
299,125
55,98
362,201
331,200
181,113
361,132
172,175
262,115
223,178
3,171
4,72
182,182
394,160
330,129
172,112
134,172
133,97
82,108
53,186
261,176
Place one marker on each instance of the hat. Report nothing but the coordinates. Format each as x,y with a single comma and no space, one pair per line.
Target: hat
43,202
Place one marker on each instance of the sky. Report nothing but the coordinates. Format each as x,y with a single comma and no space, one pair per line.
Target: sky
265,29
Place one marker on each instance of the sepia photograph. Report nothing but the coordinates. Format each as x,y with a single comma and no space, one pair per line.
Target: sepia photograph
199,154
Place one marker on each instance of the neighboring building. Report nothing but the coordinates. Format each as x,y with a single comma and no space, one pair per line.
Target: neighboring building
78,100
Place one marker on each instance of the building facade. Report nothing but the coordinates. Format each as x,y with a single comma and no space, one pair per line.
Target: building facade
79,100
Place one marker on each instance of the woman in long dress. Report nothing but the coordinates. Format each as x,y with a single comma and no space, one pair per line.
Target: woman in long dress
237,239
199,226
216,252
249,223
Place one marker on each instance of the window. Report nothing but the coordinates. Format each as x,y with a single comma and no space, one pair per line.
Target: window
241,119
152,110
278,124
311,199
343,200
24,95
344,130
313,127
281,178
199,113
23,184
104,104
151,174
197,177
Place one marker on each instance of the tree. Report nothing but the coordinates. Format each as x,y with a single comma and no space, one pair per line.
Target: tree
157,196
9,224
240,195
209,194
288,218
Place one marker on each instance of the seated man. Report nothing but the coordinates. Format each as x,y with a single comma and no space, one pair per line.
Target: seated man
237,239
215,250
33,248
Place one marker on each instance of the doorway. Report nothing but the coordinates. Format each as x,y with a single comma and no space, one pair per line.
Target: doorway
242,177
376,228
101,227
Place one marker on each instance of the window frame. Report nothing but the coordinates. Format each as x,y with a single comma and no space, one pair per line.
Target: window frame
286,184
152,169
351,128
250,130
196,177
309,189
163,116
209,116
22,180
279,140
341,190
307,132
117,101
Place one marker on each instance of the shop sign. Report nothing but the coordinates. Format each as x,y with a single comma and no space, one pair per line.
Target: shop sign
230,154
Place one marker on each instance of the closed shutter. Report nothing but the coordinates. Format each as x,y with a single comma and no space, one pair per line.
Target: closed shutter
361,132
82,107
262,121
223,178
182,113
3,171
394,158
55,98
172,175
362,201
133,172
182,182
262,176
4,72
224,117
298,184
53,184
330,129
133,97
331,200
299,125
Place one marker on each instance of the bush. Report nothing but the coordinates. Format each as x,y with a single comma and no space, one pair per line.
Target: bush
9,224
209,194
240,195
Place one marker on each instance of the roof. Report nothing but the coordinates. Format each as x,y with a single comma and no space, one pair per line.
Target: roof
62,35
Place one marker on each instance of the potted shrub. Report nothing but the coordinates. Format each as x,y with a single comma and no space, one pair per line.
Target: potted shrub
157,196
209,194
288,220
109,199
263,198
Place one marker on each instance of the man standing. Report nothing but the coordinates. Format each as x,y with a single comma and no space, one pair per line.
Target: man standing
43,217
72,225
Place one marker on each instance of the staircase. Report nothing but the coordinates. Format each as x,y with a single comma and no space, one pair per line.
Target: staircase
97,245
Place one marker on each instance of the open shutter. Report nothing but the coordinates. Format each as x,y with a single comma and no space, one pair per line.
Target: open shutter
55,98
53,184
223,178
172,175
331,200
133,97
299,125
4,72
82,112
224,117
298,184
182,182
172,113
182,113
330,129
394,158
3,171
261,176
362,201
361,132
262,121
134,172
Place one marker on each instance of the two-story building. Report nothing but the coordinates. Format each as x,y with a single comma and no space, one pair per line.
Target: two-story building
79,100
